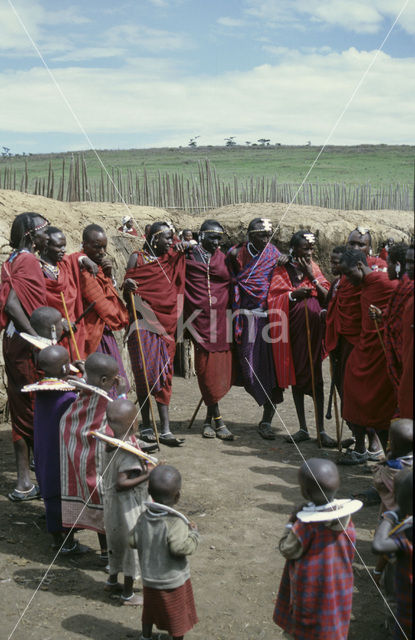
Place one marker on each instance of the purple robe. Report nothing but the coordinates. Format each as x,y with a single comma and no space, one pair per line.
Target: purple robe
109,346
49,408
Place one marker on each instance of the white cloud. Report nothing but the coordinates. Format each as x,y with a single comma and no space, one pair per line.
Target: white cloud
146,38
34,17
296,100
230,22
361,16
89,53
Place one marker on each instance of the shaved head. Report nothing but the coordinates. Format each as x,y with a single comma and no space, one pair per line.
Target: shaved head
42,320
164,484
101,370
54,361
319,480
121,415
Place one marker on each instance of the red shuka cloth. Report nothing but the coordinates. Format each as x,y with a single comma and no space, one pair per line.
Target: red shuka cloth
109,309
343,312
393,328
278,301
22,273
68,283
214,374
368,396
161,284
406,386
211,321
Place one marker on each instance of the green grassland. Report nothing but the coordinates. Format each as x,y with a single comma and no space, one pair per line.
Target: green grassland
379,165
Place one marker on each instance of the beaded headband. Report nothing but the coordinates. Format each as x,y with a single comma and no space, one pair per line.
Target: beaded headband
211,231
157,233
266,226
38,228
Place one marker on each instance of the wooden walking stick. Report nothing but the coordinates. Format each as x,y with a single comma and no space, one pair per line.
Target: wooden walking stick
313,383
144,368
195,412
71,333
336,408
380,337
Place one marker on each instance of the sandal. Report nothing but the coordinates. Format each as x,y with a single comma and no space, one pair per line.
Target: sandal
223,433
351,456
208,431
76,549
265,431
376,456
113,587
300,436
147,434
22,496
327,441
133,600
170,440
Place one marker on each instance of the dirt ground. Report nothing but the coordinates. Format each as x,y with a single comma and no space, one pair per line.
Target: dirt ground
240,494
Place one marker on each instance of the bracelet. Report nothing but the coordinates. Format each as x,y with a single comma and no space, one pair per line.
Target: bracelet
392,515
122,396
315,281
288,525
290,297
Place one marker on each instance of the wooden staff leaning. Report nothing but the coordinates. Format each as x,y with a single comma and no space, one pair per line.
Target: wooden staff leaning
313,383
71,333
144,367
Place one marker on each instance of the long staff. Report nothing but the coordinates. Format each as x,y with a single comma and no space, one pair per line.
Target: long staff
380,336
313,383
71,333
144,368
196,411
336,407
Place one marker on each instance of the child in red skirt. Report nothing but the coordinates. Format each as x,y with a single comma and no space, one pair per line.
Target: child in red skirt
394,538
163,538
314,601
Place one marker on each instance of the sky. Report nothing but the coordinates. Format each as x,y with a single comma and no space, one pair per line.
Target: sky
158,73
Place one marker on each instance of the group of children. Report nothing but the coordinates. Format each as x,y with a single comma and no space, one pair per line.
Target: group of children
128,499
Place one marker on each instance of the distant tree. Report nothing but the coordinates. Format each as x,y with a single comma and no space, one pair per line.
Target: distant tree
192,142
230,142
247,142
309,143
6,152
264,142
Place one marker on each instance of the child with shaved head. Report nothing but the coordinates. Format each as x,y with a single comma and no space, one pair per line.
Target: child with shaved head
393,537
315,595
53,396
125,490
164,538
81,454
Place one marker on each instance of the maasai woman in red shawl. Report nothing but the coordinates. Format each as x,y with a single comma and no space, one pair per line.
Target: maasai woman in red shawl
109,312
393,316
156,275
62,275
251,265
368,397
406,385
22,291
300,282
206,306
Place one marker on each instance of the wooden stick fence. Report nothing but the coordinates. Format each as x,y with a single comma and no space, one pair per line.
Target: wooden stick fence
201,191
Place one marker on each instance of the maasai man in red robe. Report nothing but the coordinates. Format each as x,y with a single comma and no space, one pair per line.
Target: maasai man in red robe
128,226
109,312
22,291
81,455
156,277
251,265
206,305
394,313
368,396
343,319
406,385
62,275
296,284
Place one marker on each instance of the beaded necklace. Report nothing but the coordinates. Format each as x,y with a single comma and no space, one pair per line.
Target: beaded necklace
206,258
54,271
